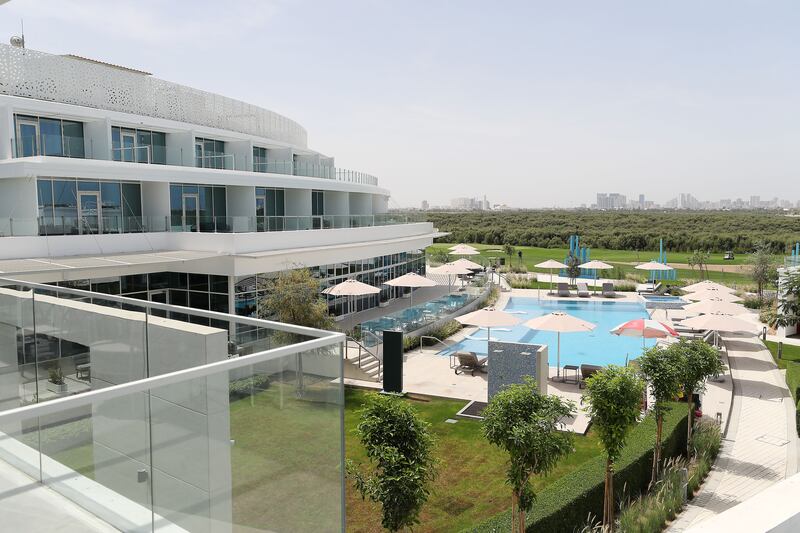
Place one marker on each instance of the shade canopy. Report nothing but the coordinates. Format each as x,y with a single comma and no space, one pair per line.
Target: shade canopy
489,317
466,263
560,322
645,328
450,269
351,287
712,294
653,265
465,251
707,285
461,245
717,322
551,263
596,265
716,306
412,279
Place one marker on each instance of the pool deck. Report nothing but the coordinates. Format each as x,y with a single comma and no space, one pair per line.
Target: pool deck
427,373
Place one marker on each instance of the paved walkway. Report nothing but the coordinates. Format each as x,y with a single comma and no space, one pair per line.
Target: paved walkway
760,447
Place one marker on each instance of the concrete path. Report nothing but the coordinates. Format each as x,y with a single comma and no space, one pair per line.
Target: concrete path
760,447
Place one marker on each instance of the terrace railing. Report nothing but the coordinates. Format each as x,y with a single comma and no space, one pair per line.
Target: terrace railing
151,416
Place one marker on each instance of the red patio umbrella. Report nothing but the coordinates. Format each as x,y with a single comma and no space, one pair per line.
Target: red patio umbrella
644,328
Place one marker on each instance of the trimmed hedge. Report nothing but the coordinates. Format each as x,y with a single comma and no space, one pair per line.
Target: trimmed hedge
793,378
566,504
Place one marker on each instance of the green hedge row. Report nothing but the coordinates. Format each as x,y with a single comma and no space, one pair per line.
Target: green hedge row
793,382
565,504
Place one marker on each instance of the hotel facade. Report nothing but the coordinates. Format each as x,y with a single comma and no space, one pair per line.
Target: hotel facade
114,181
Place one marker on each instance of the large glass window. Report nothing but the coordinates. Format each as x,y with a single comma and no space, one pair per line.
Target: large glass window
317,203
210,153
198,207
260,159
48,136
138,146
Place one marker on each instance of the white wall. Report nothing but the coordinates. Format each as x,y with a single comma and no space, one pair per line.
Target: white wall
97,139
298,202
18,201
380,204
241,203
155,203
180,148
7,132
242,154
337,203
360,203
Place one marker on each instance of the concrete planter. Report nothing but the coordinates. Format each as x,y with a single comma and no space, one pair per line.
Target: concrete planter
58,389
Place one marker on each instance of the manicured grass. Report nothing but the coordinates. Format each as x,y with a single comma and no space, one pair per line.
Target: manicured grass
533,255
471,484
790,353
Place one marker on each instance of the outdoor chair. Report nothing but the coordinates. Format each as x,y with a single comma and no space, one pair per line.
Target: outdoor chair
583,290
608,290
563,290
469,362
586,372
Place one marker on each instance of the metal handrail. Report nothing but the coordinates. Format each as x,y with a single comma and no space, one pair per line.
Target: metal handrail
440,341
361,349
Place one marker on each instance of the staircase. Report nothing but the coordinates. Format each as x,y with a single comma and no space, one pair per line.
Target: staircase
368,360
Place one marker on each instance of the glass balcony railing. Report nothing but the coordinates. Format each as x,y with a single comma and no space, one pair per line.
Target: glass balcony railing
49,145
132,154
156,417
101,225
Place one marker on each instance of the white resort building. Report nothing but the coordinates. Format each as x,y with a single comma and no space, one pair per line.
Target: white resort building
138,220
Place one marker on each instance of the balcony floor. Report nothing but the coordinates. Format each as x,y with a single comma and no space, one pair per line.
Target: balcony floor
29,506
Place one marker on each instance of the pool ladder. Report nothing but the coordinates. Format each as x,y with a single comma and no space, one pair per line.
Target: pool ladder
453,358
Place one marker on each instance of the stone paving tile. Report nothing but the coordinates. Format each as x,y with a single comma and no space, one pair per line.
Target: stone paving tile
761,443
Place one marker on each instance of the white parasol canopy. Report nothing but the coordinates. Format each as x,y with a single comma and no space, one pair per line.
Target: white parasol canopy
717,322
712,294
559,322
716,306
351,287
411,280
707,285
551,264
489,318
596,265
450,269
466,263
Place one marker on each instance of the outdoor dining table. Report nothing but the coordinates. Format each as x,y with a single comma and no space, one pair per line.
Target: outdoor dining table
568,368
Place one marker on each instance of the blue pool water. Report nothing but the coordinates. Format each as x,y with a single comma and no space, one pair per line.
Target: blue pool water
598,347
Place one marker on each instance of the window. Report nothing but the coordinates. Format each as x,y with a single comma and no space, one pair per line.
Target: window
210,153
138,146
198,207
260,159
317,203
48,136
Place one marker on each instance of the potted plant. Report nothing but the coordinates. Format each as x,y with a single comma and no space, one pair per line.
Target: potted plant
55,380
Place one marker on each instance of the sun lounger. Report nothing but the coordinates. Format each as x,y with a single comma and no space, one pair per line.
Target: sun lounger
469,362
563,290
583,290
608,290
586,373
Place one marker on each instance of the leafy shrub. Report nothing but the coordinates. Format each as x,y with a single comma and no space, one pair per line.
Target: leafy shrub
625,287
752,302
565,504
242,388
442,332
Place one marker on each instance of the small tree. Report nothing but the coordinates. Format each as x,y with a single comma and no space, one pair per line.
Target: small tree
699,259
400,446
697,362
764,271
661,369
614,398
525,424
509,250
573,268
788,313
294,298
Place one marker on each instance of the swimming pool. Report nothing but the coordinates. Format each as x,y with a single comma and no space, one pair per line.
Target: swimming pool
597,347
663,301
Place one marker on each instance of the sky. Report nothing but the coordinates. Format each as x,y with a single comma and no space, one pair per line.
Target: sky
533,104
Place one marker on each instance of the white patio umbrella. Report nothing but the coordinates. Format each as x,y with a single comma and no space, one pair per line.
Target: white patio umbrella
450,269
466,263
559,322
351,287
596,265
489,318
411,280
707,285
716,306
550,264
653,266
460,245
465,250
712,294
719,322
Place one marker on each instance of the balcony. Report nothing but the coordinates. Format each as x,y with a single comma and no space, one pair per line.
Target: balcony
104,225
152,417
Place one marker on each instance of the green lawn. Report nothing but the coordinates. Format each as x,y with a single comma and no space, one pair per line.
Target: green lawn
531,256
790,353
471,484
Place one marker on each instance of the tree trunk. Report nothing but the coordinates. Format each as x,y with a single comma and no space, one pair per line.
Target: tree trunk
657,449
690,403
514,501
608,507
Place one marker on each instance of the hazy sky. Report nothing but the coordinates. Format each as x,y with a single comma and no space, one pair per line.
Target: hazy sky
531,103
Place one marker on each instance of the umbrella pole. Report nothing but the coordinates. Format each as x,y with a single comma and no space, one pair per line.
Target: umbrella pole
558,357
488,339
